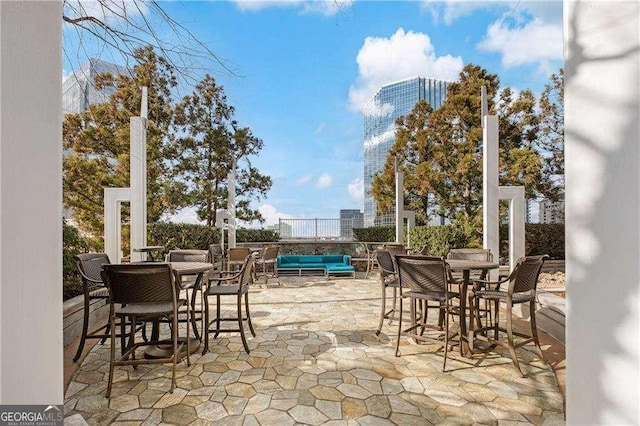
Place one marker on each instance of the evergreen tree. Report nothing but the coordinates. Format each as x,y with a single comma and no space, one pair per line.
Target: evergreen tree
96,143
551,135
212,144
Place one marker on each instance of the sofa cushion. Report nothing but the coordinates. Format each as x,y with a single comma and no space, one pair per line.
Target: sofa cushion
288,265
312,259
335,267
335,258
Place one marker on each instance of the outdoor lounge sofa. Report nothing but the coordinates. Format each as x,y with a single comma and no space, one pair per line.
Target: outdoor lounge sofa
328,264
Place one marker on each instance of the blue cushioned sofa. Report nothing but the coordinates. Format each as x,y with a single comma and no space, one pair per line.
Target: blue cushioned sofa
328,264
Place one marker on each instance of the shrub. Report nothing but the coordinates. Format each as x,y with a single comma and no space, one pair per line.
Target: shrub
244,235
375,234
540,238
440,239
72,243
174,236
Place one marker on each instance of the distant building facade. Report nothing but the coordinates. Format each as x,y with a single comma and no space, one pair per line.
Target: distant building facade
551,211
390,102
349,219
79,90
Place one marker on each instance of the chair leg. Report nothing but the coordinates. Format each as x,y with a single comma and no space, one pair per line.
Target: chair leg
85,329
205,328
510,340
174,341
112,354
241,324
369,267
446,336
192,317
384,307
399,329
534,329
218,307
246,304
132,339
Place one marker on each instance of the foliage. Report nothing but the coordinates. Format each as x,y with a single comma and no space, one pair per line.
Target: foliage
540,238
213,144
440,151
174,236
96,144
440,239
551,136
375,234
245,235
72,243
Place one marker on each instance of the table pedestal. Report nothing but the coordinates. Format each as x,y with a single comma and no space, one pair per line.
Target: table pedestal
165,350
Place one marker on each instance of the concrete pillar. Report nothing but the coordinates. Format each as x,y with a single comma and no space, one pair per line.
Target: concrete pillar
602,124
231,206
113,199
31,202
138,182
515,196
490,235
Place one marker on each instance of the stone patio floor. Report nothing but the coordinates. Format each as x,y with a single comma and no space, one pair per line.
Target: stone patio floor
316,360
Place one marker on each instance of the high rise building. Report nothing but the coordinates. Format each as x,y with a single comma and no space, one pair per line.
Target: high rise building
551,211
390,102
349,219
79,90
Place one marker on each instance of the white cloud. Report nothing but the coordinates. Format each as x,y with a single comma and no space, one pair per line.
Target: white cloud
451,10
405,54
356,190
535,42
325,180
323,7
373,108
109,11
271,214
374,140
320,127
304,179
186,215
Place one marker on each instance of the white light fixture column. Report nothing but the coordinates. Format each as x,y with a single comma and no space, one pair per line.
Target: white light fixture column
490,235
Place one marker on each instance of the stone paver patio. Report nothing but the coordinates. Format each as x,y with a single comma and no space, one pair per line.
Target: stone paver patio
316,360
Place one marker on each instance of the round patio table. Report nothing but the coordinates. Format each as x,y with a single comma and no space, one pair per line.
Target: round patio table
182,269
467,344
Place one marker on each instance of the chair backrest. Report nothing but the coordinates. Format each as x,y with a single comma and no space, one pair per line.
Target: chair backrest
271,253
479,254
385,261
90,267
394,248
246,273
425,250
216,249
524,277
422,273
188,256
238,254
140,283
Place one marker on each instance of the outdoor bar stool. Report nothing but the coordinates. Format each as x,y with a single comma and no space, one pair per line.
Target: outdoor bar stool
523,282
90,266
201,256
232,285
388,279
372,262
143,291
267,264
425,278
236,257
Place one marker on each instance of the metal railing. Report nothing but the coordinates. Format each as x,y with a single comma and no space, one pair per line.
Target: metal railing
316,229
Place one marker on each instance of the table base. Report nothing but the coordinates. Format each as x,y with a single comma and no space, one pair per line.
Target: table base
164,350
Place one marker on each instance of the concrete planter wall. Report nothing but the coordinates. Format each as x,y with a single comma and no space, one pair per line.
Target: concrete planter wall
73,311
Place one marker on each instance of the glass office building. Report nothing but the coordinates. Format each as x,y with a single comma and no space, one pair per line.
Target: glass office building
390,102
79,90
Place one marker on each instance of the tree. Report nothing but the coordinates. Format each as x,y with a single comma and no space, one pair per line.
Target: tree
212,144
96,143
440,151
551,134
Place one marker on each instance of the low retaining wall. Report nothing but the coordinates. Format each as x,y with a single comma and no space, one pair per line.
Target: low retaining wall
73,314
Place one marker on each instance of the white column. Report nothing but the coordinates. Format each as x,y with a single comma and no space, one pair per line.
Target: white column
138,179
231,206
490,235
602,124
515,196
31,202
399,204
113,199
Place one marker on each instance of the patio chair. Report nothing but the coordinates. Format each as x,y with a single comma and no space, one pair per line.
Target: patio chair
266,265
483,255
89,266
425,278
394,249
236,257
388,278
216,256
372,262
523,282
236,285
143,291
189,282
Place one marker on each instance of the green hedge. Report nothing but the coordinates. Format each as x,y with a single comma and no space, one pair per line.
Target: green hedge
193,236
540,238
439,239
375,234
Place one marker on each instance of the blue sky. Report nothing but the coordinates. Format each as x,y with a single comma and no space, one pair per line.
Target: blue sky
306,68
